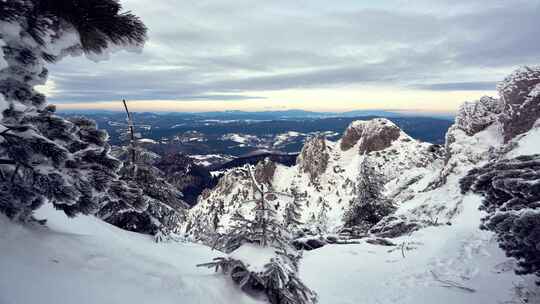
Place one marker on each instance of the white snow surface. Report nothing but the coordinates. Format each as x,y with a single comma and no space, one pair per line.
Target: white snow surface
147,141
85,260
3,62
460,253
239,138
529,143
254,257
3,105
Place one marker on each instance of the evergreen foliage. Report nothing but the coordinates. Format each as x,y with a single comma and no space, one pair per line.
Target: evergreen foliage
291,212
370,205
164,211
279,280
44,157
511,190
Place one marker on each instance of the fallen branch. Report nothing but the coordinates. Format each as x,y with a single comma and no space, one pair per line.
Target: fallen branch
451,284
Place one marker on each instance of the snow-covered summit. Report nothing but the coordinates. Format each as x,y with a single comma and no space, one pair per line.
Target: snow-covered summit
520,95
518,84
475,116
373,135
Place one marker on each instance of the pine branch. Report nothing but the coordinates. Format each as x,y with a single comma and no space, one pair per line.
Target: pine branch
7,162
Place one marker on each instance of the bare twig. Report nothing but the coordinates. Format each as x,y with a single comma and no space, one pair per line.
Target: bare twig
131,127
451,284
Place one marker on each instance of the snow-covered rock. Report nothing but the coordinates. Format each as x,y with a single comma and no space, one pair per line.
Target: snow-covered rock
475,116
373,135
313,159
520,93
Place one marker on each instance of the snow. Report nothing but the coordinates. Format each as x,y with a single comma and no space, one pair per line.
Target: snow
88,261
239,138
462,253
3,105
68,39
535,91
529,143
283,138
208,160
523,74
3,63
85,260
147,141
254,257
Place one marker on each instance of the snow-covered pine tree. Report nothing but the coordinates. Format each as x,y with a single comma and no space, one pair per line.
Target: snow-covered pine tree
166,209
262,235
44,157
321,225
292,212
369,206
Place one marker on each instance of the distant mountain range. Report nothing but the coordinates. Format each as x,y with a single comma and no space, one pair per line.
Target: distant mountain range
284,114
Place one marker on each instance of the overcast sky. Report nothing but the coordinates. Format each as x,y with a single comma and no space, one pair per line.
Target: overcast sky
309,54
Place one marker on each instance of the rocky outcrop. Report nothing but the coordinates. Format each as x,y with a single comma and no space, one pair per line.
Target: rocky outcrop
373,135
463,142
264,171
313,158
520,94
475,116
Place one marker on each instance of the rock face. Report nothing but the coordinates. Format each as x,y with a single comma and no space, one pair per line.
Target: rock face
475,116
373,135
313,158
264,171
520,94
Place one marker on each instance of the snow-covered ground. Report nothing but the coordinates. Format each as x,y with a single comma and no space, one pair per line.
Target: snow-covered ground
85,260
460,253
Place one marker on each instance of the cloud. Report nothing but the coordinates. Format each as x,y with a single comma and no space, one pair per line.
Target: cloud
201,50
459,86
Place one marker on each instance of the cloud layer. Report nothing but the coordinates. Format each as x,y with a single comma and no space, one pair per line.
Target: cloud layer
216,50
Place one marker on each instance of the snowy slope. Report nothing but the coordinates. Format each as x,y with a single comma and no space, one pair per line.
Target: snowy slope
460,253
85,260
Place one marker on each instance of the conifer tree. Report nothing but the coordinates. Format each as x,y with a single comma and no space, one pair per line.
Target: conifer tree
292,212
322,217
44,157
369,206
278,279
165,210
